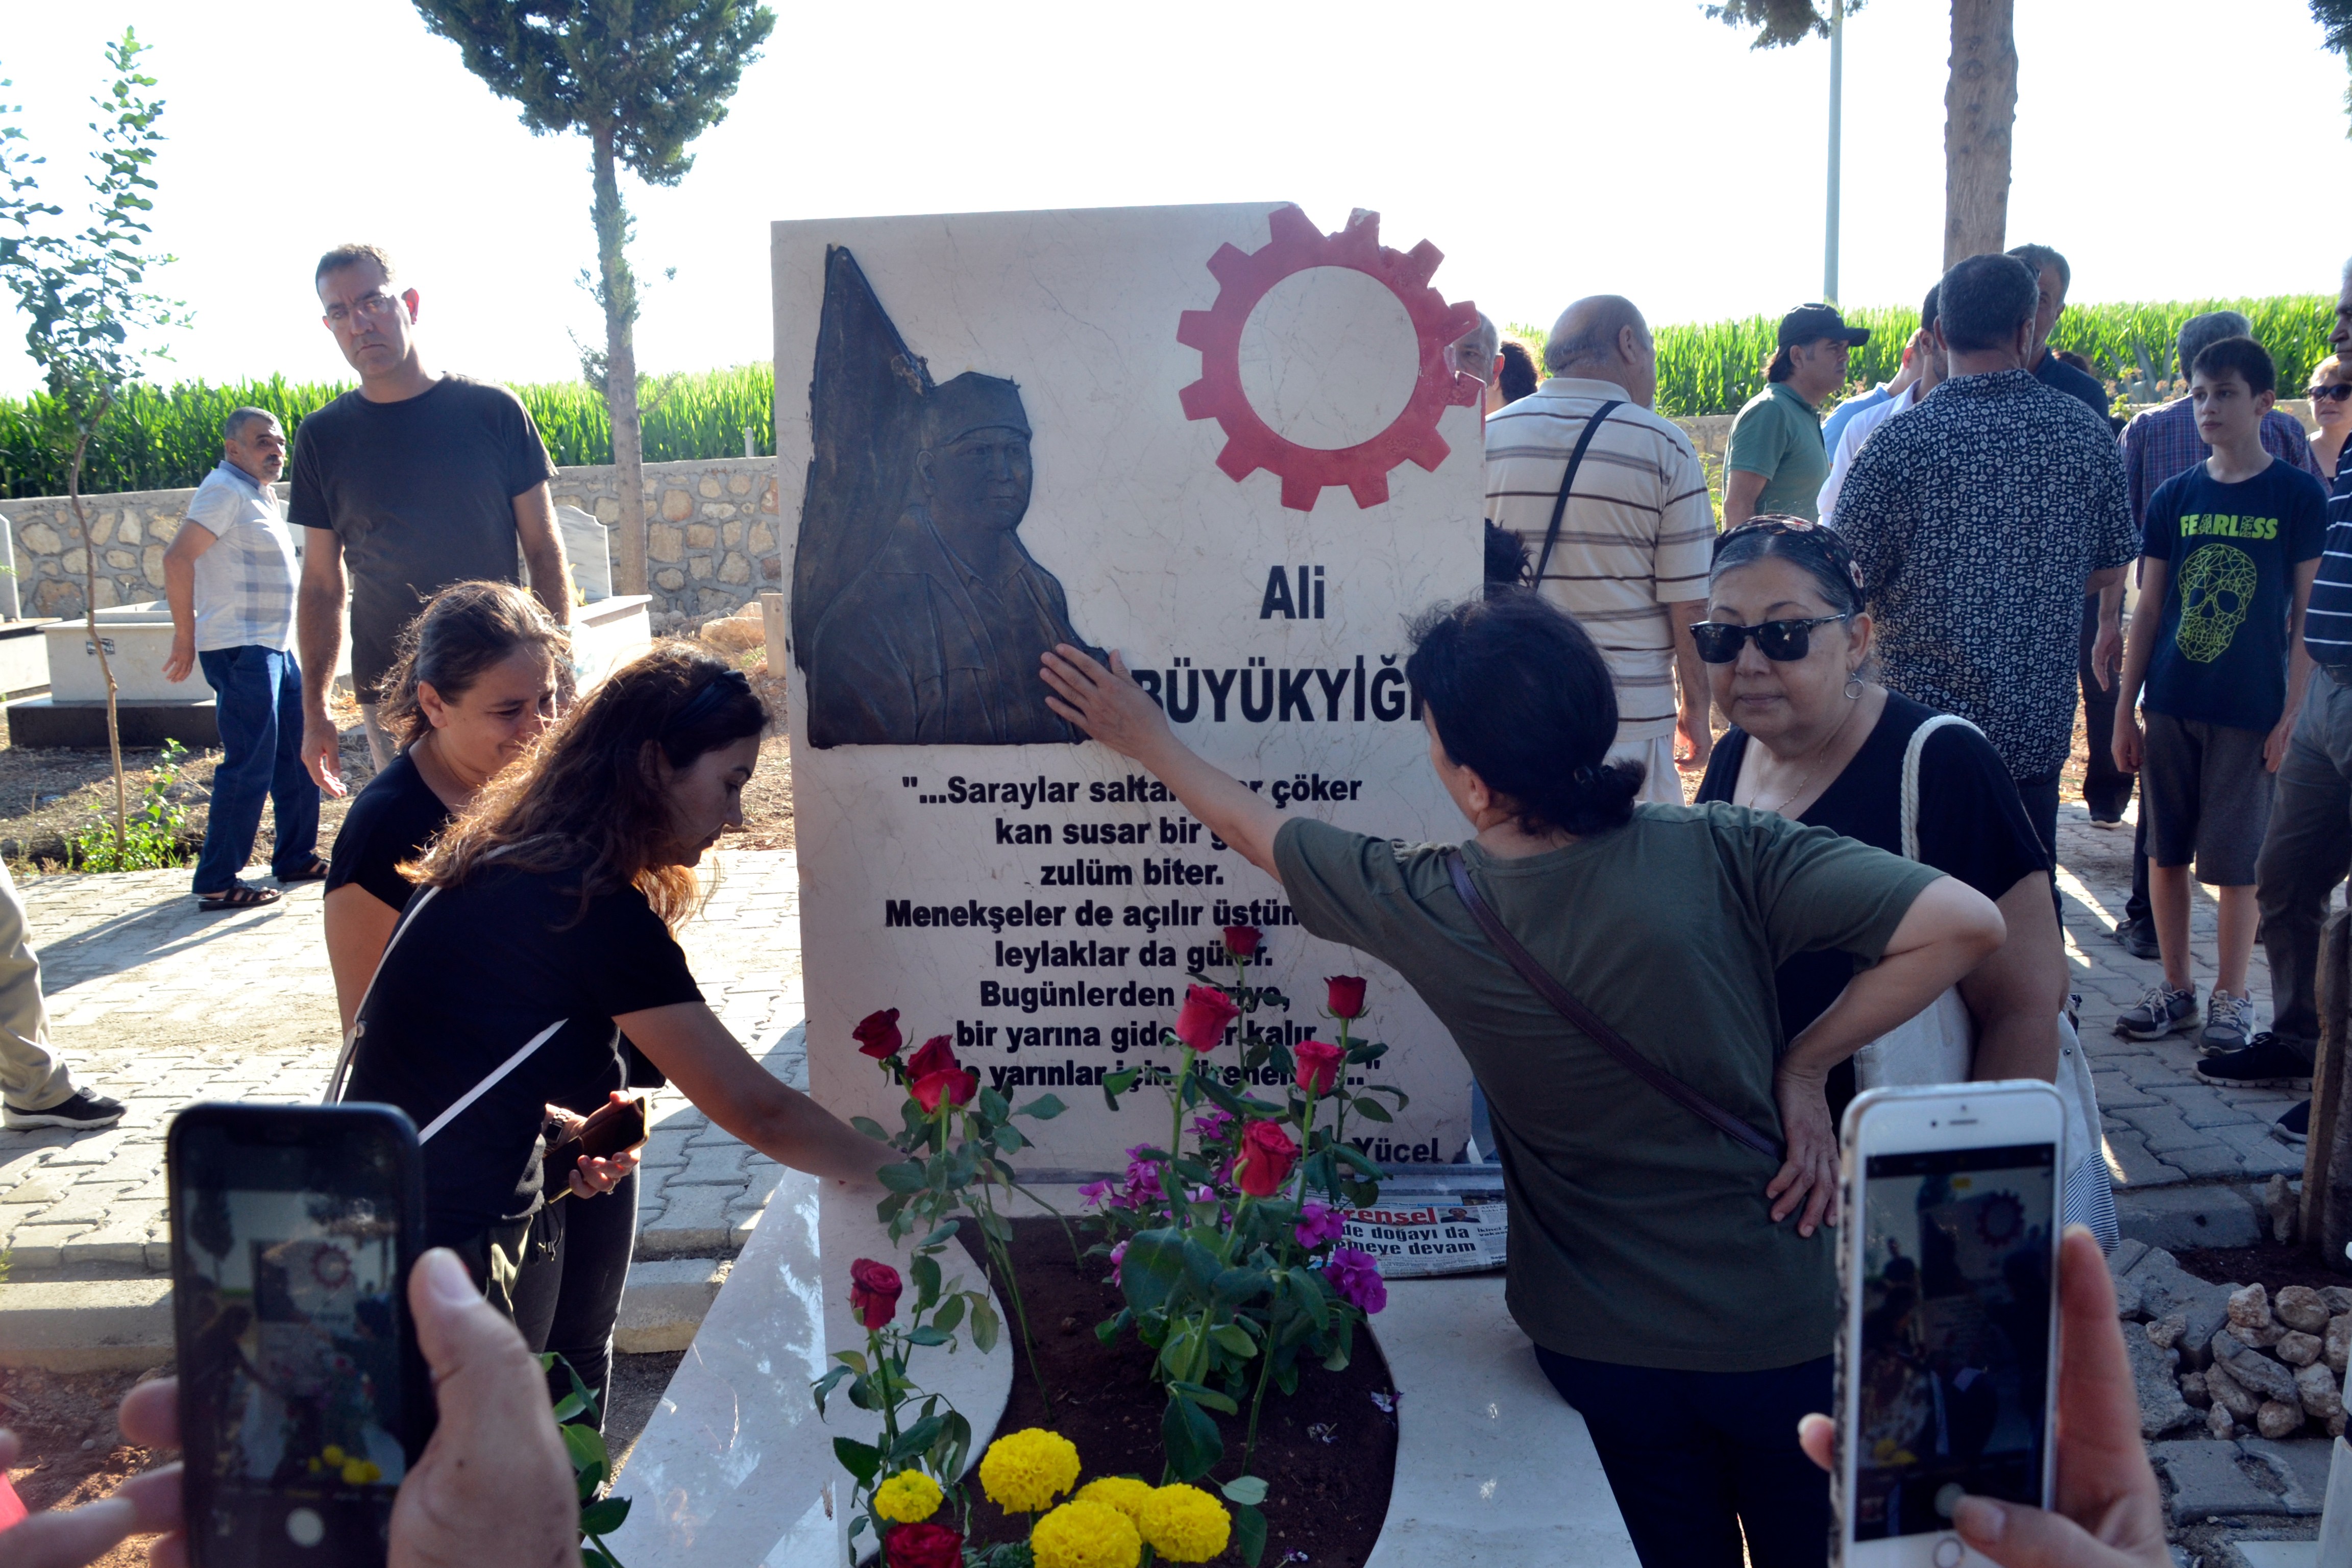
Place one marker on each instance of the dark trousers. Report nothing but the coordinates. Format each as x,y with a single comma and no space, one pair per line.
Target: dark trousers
2106,788
257,695
1698,1459
2305,854
567,1295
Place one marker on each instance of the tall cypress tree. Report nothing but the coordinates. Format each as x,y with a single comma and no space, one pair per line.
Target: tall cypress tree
640,79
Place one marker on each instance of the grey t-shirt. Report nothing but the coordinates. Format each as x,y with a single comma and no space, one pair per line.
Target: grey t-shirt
1640,1234
421,495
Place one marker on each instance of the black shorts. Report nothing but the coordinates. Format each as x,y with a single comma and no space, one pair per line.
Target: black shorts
2208,795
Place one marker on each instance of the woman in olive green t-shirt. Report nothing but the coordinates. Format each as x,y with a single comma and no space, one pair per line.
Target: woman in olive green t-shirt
1677,1284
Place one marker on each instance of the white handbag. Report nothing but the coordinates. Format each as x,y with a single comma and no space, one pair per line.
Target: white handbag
1938,1044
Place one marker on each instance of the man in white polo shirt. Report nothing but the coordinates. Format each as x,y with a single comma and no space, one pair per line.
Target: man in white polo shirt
228,576
1620,535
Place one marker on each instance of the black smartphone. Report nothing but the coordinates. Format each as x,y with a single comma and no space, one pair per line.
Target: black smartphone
302,1398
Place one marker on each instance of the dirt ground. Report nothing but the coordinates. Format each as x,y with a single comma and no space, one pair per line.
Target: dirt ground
73,1453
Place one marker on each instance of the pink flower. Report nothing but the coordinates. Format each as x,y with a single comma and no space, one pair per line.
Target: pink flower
1318,1226
874,1292
1243,942
1319,1064
937,1055
1356,1277
956,1086
1268,1154
1201,1024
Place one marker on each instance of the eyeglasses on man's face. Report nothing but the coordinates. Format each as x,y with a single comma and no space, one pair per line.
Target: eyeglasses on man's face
376,305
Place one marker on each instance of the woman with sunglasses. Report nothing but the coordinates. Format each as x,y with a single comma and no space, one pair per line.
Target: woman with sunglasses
2331,405
1641,1224
544,930
1815,740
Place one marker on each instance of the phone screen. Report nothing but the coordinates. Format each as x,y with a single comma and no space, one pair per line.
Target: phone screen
1956,1259
295,1383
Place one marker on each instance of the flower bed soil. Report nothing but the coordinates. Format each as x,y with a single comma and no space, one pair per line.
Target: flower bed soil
1327,1453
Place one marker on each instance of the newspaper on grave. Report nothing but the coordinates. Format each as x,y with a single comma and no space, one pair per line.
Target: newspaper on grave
1432,1224
1218,440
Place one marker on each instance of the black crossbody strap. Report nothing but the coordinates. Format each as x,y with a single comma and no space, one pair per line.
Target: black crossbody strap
1575,461
1607,1038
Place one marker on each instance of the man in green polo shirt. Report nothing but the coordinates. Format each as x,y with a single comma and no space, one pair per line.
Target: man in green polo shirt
1776,461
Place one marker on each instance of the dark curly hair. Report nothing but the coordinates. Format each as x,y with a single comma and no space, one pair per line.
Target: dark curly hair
588,798
462,631
1521,698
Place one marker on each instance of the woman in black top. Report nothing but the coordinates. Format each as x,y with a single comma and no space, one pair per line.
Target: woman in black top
542,930
1817,741
475,681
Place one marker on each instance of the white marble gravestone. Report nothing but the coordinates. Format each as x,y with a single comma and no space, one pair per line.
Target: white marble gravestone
1250,469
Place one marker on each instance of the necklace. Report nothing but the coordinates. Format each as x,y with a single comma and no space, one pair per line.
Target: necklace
1820,755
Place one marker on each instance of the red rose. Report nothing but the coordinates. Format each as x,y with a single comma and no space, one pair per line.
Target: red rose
1201,1024
874,1292
1241,942
1266,1161
922,1546
878,1035
954,1085
1319,1064
936,1056
1346,998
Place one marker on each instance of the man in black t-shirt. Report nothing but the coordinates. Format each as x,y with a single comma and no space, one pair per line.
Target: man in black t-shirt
423,480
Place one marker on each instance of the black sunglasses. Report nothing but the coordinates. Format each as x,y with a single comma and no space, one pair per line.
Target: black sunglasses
2335,392
1783,642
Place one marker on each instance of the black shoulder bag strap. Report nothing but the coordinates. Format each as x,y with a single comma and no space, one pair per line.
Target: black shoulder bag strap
1575,461
1602,1035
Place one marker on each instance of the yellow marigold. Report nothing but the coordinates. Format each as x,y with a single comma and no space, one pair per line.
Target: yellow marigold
909,1497
1024,1472
1124,1493
1185,1524
1086,1535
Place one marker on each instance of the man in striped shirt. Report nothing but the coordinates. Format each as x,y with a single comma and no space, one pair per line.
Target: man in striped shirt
1636,531
2309,844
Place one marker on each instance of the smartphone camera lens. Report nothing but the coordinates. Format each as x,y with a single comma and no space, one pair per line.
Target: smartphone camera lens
305,1528
1947,1499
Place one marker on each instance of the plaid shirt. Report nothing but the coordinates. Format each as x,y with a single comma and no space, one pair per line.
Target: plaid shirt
1976,518
245,583
2164,441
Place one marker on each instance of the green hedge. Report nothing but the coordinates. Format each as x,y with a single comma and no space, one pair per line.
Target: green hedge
169,437
1713,367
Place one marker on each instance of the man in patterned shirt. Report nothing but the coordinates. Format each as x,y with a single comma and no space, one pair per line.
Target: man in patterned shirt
1636,529
1979,519
2309,844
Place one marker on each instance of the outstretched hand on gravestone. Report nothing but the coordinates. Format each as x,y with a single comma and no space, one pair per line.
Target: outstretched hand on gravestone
1106,704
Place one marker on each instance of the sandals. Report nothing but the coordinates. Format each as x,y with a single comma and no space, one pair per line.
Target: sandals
316,871
243,896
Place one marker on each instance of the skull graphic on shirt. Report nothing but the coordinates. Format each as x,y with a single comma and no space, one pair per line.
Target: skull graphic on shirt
2217,590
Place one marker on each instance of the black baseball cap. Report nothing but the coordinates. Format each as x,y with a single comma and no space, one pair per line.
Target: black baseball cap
1809,323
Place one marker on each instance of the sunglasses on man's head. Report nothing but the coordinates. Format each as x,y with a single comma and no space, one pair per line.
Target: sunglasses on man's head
1783,642
2334,393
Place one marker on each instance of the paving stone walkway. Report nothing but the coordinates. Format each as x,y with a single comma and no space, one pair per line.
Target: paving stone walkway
159,1004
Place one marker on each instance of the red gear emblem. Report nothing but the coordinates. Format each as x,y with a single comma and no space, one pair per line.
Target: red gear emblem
1251,443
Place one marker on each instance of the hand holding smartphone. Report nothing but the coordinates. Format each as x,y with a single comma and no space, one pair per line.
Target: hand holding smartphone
303,1402
1947,1276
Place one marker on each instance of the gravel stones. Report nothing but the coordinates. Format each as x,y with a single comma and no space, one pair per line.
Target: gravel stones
2299,1307
2298,1348
2229,1395
2161,1408
2164,1332
2251,1319
2278,1418
2318,1391
2335,1344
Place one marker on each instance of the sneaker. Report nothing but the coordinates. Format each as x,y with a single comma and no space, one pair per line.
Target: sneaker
2139,939
2161,1013
2264,1061
2229,1024
2294,1129
84,1113
2110,823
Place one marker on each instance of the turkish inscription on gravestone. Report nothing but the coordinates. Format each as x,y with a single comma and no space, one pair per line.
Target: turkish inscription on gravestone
1212,438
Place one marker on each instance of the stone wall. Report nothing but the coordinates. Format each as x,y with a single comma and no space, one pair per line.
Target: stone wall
710,542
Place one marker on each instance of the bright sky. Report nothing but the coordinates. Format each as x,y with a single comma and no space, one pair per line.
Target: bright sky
1550,148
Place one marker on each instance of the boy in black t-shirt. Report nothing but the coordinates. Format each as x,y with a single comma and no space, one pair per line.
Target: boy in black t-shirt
2227,562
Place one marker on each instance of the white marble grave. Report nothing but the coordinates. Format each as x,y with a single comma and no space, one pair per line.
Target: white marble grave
1251,466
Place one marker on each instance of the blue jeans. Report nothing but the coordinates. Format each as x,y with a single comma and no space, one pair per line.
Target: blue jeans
258,692
1698,1457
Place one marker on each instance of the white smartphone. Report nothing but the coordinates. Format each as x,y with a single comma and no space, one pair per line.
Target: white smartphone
1946,1272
